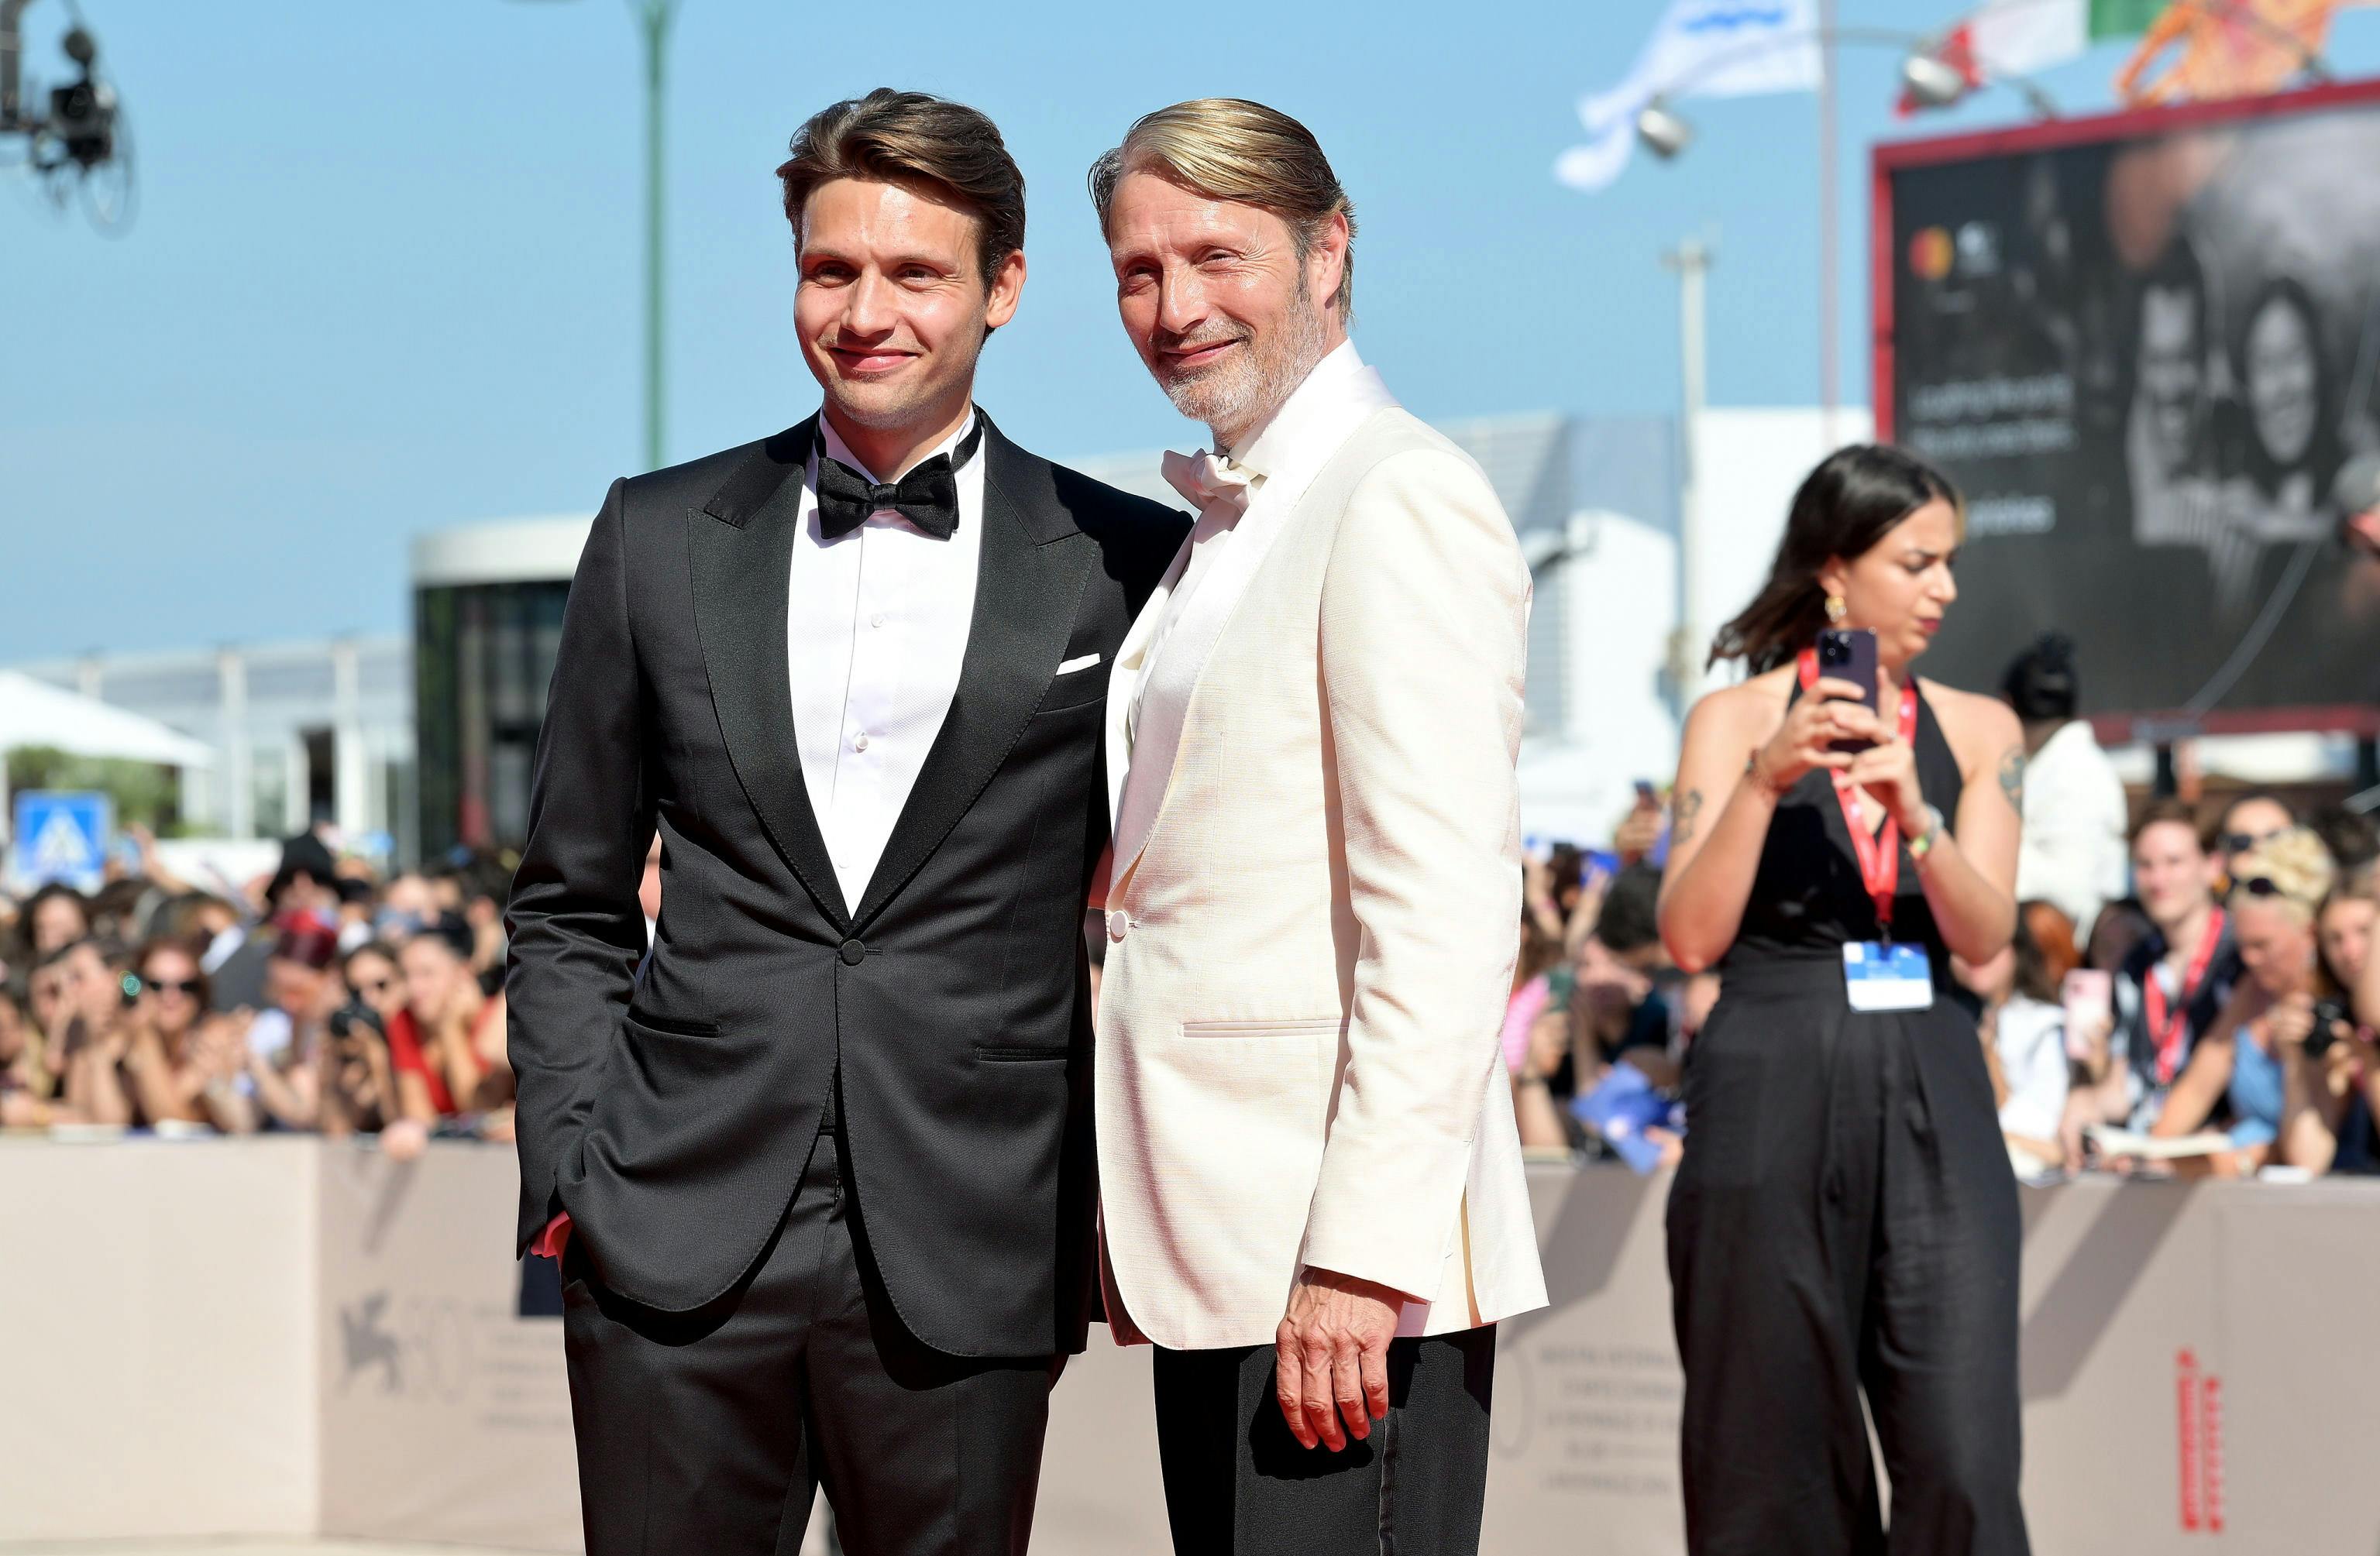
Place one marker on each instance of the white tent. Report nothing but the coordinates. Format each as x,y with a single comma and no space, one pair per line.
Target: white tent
36,713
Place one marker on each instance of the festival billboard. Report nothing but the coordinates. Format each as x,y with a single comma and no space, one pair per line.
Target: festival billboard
2143,344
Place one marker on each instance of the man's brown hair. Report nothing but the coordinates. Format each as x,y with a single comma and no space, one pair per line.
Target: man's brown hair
925,144
2179,813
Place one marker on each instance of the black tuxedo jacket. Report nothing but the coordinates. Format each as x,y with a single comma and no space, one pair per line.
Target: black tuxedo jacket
672,1116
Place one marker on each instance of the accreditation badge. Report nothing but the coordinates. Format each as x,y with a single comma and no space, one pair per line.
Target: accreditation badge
1882,976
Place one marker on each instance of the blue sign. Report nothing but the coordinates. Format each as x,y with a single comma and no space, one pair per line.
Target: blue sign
61,836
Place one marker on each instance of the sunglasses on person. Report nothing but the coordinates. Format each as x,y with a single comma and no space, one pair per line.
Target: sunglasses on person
2265,887
189,986
2240,843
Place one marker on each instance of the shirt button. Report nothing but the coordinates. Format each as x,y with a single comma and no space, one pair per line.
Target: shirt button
859,741
1117,925
877,620
852,953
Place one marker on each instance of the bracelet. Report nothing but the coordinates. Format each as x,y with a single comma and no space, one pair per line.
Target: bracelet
1921,847
1751,771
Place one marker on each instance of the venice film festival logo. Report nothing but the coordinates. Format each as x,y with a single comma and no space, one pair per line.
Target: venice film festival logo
419,1349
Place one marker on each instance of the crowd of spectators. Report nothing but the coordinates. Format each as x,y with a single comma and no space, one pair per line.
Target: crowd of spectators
2213,1014
325,998
2194,993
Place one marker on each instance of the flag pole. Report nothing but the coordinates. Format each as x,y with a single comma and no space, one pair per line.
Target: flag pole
1829,262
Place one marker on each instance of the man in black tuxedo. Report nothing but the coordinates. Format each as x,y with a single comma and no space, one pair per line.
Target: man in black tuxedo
820,1177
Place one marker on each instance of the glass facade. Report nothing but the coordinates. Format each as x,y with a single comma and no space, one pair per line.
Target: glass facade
483,654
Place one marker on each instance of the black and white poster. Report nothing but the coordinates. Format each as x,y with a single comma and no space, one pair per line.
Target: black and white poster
2143,346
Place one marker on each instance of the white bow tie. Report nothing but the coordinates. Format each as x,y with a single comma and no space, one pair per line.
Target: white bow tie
1209,481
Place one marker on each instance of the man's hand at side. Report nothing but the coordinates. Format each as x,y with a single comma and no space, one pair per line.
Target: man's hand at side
1331,1356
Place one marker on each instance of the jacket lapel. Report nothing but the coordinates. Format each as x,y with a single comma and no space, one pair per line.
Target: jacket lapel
1028,584
743,550
1123,678
1140,790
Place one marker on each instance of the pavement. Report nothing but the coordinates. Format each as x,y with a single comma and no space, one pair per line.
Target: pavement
235,1547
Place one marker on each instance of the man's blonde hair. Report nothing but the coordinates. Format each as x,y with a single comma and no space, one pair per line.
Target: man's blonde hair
1227,147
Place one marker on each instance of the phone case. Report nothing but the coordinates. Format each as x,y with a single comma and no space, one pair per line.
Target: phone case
1849,653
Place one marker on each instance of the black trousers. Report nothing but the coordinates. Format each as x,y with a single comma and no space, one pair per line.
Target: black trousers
1238,1484
709,1433
1845,1220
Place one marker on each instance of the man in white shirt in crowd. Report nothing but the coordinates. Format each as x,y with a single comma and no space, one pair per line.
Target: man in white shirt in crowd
1312,1195
2073,856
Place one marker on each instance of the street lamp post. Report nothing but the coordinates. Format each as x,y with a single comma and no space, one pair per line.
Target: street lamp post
1930,81
1692,260
652,18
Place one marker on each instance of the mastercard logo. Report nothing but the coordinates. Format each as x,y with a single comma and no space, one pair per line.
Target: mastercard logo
1930,253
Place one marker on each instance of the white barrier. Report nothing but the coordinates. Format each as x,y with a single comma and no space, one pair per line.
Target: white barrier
289,1337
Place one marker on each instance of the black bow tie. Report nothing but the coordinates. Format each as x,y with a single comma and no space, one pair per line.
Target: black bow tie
928,496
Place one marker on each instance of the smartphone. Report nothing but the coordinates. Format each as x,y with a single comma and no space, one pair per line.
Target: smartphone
1647,797
2089,997
2328,1014
1849,653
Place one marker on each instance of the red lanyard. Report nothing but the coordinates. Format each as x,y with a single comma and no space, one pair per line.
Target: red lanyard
1879,851
2166,1031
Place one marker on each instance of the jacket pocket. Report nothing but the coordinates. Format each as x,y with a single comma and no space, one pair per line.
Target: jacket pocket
672,1025
1017,1054
1305,1026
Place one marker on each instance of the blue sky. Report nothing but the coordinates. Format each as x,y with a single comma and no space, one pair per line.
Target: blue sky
386,276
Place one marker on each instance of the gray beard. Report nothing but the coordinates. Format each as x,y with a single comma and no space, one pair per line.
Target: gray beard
1235,397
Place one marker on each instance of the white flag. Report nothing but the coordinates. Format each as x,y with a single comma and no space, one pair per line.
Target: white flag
1701,48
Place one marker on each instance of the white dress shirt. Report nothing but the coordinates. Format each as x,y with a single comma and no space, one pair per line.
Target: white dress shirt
2074,854
876,632
1283,452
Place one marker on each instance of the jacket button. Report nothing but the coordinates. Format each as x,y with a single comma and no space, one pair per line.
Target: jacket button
853,952
1117,925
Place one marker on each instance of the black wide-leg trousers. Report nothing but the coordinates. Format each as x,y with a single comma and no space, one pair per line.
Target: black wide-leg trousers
709,1433
1845,1220
1238,1484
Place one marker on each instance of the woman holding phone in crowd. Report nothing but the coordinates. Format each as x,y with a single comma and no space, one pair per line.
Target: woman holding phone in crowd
1845,1219
2254,1055
2334,1083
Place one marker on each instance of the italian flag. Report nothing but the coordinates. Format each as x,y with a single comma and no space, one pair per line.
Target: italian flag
2018,37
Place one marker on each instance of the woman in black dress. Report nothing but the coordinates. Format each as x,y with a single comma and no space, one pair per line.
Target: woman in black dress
1845,1219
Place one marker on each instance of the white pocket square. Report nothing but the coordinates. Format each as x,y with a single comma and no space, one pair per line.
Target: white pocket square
1085,662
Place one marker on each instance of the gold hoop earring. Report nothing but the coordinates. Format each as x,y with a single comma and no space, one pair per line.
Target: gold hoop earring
1837,609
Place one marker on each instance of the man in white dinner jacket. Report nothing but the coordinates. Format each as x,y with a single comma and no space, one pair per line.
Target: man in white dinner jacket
1312,1194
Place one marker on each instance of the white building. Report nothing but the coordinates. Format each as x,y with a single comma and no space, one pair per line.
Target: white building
302,733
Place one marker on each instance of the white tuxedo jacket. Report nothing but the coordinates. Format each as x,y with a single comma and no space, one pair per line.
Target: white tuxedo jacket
1312,920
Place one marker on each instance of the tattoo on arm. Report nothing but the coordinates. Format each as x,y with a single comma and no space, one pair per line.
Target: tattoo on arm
1688,807
2012,777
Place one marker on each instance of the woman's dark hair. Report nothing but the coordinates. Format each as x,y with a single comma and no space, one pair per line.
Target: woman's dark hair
379,949
1630,919
1849,503
2040,683
2359,885
2044,951
1539,951
157,943
453,932
42,896
2322,454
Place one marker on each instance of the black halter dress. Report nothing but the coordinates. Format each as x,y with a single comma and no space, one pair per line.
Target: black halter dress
1845,1220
